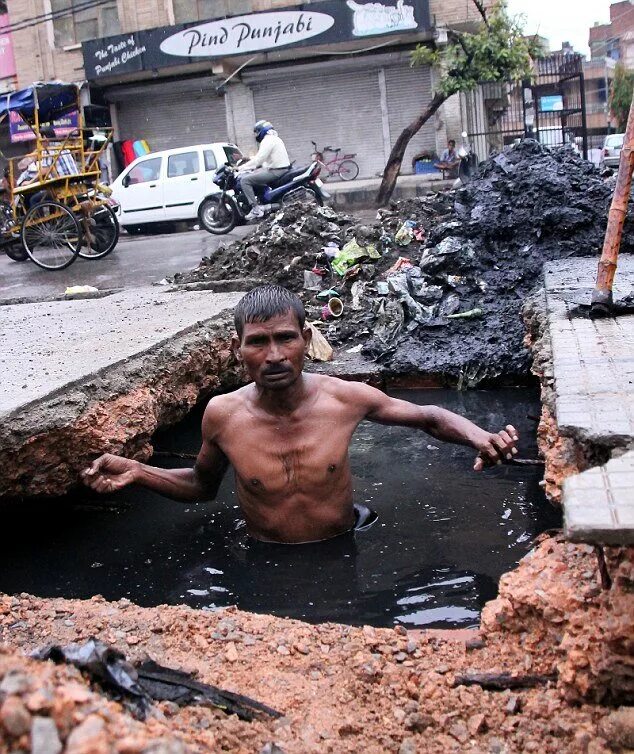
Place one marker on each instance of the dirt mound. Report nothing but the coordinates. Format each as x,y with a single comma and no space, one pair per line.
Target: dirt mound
342,689
435,284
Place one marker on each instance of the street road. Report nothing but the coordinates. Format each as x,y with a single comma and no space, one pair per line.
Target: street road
137,261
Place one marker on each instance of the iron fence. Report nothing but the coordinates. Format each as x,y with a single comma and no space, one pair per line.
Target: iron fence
550,108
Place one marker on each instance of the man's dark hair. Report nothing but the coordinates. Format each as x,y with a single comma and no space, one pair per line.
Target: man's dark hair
452,142
265,302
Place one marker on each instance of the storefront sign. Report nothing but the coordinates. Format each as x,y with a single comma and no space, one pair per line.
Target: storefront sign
247,34
317,23
21,131
7,62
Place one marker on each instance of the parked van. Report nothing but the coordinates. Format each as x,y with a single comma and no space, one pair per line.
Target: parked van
169,186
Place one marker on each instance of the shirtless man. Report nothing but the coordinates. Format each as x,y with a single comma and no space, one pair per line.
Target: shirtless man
286,433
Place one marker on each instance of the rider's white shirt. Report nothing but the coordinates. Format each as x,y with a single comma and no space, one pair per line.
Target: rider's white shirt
271,154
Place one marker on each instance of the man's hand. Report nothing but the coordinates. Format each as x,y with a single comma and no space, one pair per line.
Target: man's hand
109,473
496,447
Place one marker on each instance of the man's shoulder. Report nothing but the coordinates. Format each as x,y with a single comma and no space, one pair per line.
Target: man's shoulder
222,407
344,390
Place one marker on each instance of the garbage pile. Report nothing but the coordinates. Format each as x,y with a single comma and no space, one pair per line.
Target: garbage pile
436,284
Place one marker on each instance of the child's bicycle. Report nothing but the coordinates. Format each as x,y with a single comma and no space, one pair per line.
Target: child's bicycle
340,165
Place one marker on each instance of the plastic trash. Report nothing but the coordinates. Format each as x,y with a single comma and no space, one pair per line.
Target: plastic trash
350,254
357,290
147,681
333,309
401,264
319,348
312,281
382,288
327,294
471,314
73,290
405,234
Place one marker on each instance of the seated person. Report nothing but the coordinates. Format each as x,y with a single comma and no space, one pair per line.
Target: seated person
449,160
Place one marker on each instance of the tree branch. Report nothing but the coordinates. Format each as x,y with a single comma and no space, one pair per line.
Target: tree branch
482,11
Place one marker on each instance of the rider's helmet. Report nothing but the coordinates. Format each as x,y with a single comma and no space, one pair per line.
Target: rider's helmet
261,128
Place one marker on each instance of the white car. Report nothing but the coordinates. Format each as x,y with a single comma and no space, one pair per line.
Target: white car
612,147
169,186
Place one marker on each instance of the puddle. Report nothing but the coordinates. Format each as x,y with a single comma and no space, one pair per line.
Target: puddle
444,536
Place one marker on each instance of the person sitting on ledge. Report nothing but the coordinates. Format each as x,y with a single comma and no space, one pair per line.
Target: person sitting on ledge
287,433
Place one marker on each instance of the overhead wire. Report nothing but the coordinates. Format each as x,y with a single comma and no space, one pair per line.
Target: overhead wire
27,23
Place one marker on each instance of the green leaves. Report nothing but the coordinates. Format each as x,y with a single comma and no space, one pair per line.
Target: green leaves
496,51
621,95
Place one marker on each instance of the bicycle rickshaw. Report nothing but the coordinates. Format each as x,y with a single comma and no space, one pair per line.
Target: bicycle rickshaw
56,208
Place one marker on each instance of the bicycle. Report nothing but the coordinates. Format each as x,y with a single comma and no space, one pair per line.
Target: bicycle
342,165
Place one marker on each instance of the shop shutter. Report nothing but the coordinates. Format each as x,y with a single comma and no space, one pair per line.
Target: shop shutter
173,119
408,93
334,109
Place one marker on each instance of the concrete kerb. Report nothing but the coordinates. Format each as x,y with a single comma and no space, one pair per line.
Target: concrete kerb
348,195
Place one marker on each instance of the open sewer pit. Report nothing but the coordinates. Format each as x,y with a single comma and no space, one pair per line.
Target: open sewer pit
443,538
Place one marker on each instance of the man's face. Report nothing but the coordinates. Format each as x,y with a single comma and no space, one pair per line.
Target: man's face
451,145
273,351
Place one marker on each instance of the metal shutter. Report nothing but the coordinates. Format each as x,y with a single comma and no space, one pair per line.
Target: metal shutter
173,119
408,93
335,109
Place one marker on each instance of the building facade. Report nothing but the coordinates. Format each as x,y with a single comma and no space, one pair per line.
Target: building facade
179,72
609,44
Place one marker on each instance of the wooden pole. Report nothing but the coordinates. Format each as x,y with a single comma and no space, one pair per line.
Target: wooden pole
602,294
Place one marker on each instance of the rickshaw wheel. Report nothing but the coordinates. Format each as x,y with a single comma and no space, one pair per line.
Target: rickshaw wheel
51,235
16,252
103,235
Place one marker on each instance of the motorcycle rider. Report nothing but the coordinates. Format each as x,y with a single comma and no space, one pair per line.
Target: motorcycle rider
268,165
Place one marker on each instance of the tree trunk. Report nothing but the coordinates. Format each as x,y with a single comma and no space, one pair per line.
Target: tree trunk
602,295
393,167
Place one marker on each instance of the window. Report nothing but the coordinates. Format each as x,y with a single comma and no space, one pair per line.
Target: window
234,155
203,10
210,160
148,170
92,22
184,163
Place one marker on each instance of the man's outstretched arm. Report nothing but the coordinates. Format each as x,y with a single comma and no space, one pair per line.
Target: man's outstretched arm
492,447
110,473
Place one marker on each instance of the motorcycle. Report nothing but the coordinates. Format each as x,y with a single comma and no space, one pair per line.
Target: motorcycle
220,213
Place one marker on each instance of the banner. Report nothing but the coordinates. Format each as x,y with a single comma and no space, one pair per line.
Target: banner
317,23
21,131
7,61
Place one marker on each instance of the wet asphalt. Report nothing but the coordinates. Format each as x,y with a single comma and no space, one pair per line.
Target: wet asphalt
136,261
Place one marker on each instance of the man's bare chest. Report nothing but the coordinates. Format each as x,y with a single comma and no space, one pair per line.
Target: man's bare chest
282,454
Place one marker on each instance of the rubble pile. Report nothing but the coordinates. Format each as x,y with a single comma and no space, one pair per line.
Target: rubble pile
436,284
554,598
341,689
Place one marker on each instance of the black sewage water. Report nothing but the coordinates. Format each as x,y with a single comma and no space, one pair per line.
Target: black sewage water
444,535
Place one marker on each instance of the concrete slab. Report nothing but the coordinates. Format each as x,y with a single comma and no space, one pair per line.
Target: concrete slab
47,347
593,368
599,503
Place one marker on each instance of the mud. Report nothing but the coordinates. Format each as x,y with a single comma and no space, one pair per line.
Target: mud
478,248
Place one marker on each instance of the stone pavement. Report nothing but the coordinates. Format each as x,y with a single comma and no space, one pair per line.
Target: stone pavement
47,347
593,367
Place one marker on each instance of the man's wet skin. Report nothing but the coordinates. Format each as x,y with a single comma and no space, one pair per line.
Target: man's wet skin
287,434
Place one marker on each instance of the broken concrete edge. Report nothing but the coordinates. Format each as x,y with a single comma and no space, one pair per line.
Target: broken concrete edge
61,297
43,448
